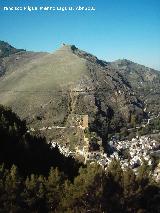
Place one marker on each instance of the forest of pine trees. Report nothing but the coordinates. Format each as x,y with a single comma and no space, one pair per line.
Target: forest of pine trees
35,178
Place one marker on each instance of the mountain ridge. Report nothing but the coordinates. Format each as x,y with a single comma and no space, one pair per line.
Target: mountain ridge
56,86
6,49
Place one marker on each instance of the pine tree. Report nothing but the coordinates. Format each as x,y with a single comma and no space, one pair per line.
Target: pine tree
129,190
29,194
13,187
85,194
113,188
54,189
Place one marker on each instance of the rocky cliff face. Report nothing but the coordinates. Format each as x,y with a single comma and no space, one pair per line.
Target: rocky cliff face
47,89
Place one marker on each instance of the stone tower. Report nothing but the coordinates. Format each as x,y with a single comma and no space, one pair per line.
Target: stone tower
85,121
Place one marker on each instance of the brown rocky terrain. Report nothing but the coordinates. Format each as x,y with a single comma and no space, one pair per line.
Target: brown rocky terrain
144,81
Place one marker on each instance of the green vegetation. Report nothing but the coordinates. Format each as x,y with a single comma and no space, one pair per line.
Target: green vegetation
132,132
92,191
36,178
90,135
30,153
152,127
95,142
133,120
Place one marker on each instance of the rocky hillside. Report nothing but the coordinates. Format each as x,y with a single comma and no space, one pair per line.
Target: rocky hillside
144,81
12,58
55,89
7,50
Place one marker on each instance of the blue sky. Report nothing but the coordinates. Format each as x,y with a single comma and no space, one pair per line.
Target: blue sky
117,29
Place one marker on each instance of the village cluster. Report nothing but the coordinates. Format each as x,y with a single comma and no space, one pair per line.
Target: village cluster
129,153
133,153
